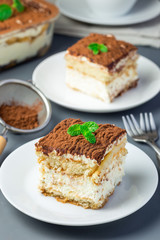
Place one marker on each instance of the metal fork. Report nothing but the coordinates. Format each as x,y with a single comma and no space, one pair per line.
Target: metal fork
143,132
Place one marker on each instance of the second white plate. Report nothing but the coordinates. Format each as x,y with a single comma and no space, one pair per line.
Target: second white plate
20,189
49,77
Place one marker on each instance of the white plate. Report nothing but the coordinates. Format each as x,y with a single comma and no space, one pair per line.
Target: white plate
49,77
144,10
19,180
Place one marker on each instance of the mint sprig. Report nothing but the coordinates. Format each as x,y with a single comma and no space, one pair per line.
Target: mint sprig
92,126
96,48
18,5
5,12
89,136
74,130
85,129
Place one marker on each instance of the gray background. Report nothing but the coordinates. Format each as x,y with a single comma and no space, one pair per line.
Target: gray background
143,224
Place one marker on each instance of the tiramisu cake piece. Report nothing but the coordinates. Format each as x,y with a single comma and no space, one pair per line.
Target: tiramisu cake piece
27,32
101,66
81,163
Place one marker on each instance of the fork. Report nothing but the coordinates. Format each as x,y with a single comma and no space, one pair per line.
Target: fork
143,132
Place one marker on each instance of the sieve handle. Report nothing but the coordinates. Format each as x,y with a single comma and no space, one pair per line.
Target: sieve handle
3,140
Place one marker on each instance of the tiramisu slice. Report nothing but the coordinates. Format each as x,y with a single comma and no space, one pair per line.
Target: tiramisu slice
81,163
101,66
26,33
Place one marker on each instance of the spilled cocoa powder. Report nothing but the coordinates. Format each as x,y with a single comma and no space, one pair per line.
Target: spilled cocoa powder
20,116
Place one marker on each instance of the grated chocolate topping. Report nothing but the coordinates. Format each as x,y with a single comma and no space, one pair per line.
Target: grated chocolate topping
60,141
36,12
116,49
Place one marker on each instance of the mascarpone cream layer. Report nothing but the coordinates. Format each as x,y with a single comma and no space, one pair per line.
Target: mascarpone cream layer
76,188
99,72
98,89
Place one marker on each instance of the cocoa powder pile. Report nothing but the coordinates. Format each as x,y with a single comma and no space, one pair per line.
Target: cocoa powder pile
19,116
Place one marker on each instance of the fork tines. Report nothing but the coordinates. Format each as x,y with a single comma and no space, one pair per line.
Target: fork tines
133,128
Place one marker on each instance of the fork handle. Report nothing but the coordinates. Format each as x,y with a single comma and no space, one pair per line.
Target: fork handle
158,158
156,149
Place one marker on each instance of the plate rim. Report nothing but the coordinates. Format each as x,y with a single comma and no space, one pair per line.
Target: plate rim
97,110
91,222
111,21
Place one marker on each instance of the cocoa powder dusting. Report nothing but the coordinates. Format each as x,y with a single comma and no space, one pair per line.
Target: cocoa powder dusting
20,116
60,141
116,49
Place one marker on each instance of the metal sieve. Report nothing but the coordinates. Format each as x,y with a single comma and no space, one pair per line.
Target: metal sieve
23,93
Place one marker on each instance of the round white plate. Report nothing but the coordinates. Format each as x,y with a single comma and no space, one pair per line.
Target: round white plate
143,10
19,180
49,77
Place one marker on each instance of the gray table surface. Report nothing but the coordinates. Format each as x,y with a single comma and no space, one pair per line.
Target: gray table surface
143,224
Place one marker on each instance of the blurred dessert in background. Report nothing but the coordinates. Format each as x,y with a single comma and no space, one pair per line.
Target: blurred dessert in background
26,34
101,66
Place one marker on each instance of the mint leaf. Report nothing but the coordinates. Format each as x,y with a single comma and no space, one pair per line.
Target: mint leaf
18,5
92,46
74,130
87,134
96,48
86,129
103,48
5,12
92,126
90,138
95,51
